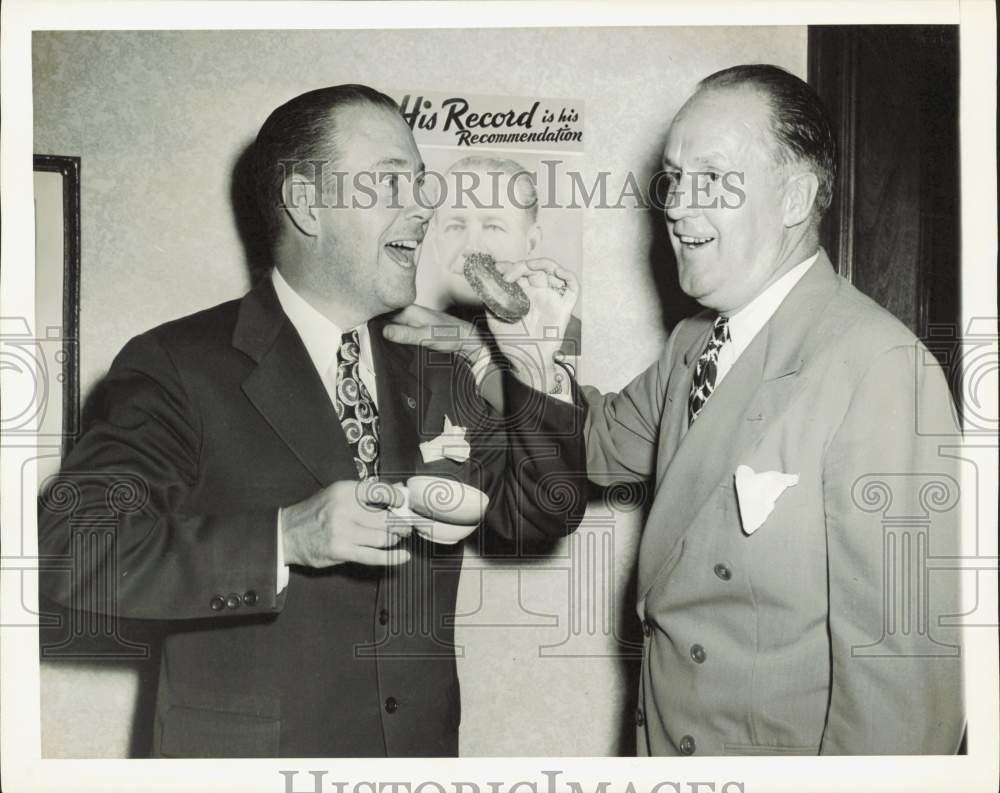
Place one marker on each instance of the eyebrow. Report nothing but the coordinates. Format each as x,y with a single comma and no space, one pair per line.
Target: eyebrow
706,159
461,216
397,162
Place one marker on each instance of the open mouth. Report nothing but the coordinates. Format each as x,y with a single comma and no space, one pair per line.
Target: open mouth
692,242
403,252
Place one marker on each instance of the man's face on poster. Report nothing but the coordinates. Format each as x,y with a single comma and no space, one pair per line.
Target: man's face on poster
487,217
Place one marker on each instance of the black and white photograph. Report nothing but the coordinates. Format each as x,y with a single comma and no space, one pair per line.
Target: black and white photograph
499,396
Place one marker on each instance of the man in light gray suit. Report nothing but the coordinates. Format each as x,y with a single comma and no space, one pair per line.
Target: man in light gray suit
791,432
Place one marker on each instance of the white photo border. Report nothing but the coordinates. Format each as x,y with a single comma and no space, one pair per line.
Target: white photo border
24,770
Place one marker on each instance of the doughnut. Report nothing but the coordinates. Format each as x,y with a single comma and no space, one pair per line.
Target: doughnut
506,300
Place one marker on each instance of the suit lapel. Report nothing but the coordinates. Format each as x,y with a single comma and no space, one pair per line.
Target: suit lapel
703,456
403,400
287,390
743,407
675,416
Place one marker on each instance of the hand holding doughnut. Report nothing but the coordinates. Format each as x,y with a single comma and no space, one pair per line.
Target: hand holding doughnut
505,299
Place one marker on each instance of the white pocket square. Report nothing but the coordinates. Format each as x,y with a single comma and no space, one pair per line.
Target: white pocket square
451,443
757,493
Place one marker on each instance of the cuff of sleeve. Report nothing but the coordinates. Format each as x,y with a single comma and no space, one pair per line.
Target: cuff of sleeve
283,574
563,389
529,411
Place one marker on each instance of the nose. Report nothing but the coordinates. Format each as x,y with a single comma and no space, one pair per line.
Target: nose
418,205
420,209
473,240
681,202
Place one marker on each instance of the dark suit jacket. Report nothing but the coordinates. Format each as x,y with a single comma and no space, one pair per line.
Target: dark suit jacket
167,507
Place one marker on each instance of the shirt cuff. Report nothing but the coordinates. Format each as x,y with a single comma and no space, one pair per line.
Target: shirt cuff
563,389
283,574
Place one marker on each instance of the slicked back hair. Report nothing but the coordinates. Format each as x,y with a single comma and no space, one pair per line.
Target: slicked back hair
302,129
799,122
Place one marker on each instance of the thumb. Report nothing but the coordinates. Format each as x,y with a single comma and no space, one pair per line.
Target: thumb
404,334
413,315
512,271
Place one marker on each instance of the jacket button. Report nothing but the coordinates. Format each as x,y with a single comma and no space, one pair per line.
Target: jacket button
697,653
391,705
645,628
250,597
383,617
218,603
723,572
687,745
640,719
233,601
411,403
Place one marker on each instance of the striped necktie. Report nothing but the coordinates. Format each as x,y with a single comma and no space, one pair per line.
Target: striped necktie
706,369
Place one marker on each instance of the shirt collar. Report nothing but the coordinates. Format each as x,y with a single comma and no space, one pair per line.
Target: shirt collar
320,336
747,322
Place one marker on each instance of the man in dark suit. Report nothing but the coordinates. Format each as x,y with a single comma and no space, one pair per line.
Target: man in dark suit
246,456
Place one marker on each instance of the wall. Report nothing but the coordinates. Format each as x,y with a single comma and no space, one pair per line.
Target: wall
161,118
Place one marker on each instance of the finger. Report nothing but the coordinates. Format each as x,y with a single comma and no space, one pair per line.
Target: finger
371,498
405,334
379,558
439,529
414,315
553,269
545,265
512,271
539,280
373,538
400,495
378,493
401,525
370,516
568,277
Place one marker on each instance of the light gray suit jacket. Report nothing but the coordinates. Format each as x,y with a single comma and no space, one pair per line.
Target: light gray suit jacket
819,632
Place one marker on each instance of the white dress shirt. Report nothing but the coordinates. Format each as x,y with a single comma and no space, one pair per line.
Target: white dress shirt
746,323
321,338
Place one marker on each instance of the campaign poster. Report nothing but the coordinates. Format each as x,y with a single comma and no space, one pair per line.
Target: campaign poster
500,172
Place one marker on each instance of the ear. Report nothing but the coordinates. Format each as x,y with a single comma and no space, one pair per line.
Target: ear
534,237
800,195
301,204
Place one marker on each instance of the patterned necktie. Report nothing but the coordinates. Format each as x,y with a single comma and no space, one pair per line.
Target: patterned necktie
356,408
706,369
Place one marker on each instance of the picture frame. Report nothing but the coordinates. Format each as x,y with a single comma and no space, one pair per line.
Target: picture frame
56,182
